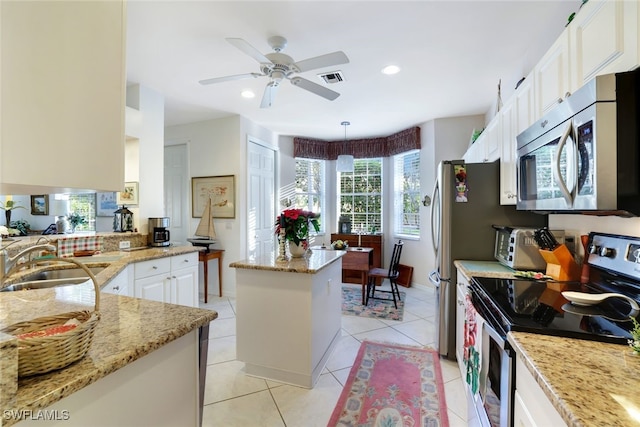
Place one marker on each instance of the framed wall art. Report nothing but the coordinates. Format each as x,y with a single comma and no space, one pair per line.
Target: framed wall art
221,190
106,204
40,205
128,196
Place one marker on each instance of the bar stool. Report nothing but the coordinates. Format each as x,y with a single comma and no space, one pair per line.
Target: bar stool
392,275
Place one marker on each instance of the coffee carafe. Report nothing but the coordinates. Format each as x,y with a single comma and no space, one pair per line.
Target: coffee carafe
158,231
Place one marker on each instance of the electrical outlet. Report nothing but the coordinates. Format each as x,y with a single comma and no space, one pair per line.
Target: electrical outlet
125,244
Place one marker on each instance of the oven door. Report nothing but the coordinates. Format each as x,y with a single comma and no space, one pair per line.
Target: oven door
493,404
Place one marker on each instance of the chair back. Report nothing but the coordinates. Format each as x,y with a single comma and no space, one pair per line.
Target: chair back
395,259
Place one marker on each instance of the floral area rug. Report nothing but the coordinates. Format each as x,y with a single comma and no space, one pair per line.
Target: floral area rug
352,305
392,386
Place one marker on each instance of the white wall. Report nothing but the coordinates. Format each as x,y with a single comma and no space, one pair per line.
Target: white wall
219,147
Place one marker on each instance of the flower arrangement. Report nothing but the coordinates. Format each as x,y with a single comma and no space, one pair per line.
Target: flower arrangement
75,219
296,224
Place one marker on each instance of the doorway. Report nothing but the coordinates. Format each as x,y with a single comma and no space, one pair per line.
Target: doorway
176,191
261,180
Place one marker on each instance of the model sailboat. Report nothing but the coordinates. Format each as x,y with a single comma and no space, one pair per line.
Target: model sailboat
206,232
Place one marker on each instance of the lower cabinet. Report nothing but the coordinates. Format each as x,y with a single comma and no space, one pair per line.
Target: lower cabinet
531,407
461,316
171,280
121,284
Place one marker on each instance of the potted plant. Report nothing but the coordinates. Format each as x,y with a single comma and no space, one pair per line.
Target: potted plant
75,219
7,207
295,222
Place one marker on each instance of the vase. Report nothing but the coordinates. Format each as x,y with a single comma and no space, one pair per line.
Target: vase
7,216
297,251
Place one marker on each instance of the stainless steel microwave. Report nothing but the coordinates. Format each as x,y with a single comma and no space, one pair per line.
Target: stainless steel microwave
584,155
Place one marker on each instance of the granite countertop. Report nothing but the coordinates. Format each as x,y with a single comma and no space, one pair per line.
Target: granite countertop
129,328
589,383
309,264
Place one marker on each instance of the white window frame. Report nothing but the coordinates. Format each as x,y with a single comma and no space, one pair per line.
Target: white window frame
310,193
406,223
357,225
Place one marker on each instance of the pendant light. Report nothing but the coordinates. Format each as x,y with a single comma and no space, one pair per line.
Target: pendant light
345,161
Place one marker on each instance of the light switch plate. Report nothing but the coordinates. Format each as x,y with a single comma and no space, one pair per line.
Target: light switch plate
125,244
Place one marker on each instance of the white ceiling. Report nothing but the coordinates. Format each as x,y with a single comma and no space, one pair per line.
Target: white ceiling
452,55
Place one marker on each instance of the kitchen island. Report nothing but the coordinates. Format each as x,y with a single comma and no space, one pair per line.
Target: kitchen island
288,315
141,369
584,383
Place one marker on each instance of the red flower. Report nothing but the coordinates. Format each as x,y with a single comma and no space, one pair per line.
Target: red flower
296,224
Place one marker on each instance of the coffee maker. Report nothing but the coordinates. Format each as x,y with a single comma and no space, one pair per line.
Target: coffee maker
158,233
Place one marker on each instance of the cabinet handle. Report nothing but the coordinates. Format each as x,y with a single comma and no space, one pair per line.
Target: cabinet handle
154,267
116,288
186,260
460,303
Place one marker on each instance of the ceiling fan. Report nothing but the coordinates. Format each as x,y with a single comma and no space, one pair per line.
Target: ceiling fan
278,67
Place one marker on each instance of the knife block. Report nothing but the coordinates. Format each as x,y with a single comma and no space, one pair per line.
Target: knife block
560,264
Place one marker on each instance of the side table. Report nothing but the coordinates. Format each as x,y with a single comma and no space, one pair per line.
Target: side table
205,256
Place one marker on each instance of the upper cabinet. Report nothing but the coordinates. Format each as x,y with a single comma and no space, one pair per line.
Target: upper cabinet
487,147
603,39
62,94
551,75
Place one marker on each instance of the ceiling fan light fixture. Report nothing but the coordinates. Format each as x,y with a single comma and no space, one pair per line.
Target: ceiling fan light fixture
248,93
390,70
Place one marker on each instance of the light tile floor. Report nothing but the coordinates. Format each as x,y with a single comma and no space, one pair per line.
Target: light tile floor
235,399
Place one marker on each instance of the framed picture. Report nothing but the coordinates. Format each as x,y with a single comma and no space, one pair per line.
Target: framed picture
128,196
222,191
106,204
40,205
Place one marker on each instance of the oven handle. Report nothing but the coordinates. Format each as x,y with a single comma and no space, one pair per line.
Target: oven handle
496,336
558,178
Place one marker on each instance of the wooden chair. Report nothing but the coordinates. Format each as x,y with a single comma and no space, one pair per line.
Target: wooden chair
391,274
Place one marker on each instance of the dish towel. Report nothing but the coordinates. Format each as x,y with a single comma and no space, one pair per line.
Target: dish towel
67,246
472,356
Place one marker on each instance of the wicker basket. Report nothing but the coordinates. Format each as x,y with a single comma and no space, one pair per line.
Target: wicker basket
38,355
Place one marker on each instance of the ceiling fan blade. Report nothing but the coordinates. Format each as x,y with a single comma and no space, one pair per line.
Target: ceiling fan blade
269,95
314,88
335,58
229,78
244,46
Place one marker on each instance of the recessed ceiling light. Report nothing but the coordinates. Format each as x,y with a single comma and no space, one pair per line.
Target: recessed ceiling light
247,94
391,69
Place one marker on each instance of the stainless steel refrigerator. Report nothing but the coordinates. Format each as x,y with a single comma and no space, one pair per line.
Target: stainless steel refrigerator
465,205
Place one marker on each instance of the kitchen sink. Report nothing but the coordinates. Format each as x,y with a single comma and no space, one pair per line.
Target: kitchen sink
53,278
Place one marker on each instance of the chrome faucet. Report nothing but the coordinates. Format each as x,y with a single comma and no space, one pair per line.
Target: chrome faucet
7,263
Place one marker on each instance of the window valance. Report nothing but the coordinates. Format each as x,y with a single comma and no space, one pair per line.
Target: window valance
406,140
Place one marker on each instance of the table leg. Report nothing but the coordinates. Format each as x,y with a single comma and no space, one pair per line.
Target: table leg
220,275
206,280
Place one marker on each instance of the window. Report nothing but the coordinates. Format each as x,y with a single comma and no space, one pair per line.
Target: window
360,195
309,187
85,205
406,184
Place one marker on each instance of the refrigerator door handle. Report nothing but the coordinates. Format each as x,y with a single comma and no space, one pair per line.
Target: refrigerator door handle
435,217
434,277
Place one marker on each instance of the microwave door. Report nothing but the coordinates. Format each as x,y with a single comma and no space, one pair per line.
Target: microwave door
570,165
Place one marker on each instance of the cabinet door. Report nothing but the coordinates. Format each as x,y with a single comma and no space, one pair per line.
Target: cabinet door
119,285
552,75
604,39
184,287
493,139
461,315
535,408
80,96
156,288
508,189
477,152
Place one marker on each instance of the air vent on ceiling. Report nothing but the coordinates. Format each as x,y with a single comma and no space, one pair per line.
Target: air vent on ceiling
332,77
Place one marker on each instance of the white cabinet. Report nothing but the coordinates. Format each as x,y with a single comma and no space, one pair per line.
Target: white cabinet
63,94
517,115
461,296
603,39
551,75
184,279
531,406
487,147
152,279
171,279
121,284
